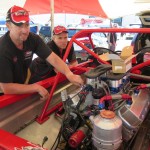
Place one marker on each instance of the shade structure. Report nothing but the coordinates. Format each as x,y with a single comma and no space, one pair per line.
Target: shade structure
102,8
67,6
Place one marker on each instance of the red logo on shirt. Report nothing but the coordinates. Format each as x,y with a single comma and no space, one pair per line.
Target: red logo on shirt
15,59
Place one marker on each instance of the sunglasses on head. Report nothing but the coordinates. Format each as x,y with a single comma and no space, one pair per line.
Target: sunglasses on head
20,13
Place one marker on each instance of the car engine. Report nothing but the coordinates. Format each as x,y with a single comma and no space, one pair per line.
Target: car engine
109,112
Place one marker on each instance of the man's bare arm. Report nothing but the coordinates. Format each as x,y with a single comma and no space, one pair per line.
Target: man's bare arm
15,88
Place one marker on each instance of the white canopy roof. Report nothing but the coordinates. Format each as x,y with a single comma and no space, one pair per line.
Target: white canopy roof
112,8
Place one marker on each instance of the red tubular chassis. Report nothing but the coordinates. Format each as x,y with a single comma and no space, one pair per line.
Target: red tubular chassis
7,100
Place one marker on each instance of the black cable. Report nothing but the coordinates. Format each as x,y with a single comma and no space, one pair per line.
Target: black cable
59,134
84,121
44,140
57,139
67,112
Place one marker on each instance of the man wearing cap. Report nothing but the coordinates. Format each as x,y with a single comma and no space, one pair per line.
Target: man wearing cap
17,47
41,69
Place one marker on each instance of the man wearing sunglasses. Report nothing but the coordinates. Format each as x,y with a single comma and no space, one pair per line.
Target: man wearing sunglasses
40,68
17,47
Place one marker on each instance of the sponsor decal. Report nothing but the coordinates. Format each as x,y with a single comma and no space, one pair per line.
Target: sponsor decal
15,59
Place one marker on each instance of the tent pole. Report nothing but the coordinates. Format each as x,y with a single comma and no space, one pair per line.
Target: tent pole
52,15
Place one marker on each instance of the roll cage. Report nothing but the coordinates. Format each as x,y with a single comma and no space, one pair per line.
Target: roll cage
52,82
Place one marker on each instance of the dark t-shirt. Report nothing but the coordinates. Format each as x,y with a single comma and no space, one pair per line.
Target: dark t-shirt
41,69
14,62
71,56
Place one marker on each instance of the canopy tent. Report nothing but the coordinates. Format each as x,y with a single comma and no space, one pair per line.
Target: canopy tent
102,8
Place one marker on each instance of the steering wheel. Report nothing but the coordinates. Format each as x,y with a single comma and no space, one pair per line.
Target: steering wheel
102,50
